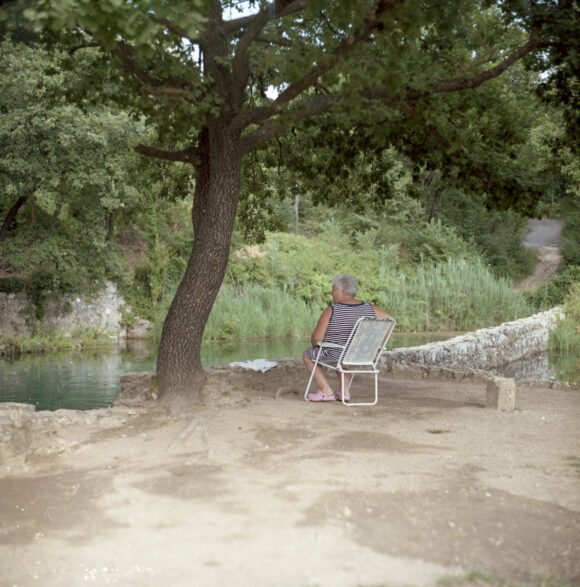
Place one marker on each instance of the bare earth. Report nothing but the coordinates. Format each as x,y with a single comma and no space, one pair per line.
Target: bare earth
543,236
261,488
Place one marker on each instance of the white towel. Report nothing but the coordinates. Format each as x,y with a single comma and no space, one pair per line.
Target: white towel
259,365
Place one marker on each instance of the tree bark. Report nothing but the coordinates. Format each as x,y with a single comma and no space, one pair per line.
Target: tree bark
296,212
217,189
435,203
11,216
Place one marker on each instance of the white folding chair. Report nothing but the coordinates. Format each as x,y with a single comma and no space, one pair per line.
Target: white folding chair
360,354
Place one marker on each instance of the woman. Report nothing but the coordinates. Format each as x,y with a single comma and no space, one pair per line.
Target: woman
335,325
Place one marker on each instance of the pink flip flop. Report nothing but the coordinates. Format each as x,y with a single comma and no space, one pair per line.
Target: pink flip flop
320,397
346,397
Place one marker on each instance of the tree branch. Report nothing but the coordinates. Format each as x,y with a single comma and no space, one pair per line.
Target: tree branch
275,9
371,22
241,64
272,128
189,155
460,83
454,85
153,85
176,30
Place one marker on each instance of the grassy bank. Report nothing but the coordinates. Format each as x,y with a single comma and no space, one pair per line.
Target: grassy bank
42,342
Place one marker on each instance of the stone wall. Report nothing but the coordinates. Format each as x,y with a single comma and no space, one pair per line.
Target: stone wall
69,314
486,349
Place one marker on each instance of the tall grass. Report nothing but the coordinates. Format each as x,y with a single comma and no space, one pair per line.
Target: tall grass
254,311
565,338
456,295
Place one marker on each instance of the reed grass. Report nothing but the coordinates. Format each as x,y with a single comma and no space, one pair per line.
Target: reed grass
455,295
253,311
44,342
565,338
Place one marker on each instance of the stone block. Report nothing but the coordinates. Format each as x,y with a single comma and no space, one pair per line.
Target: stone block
16,422
501,393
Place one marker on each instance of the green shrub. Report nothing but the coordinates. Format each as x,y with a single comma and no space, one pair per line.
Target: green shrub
565,338
496,234
11,284
554,291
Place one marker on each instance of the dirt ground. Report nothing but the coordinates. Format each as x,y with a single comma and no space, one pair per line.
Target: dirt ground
261,488
542,237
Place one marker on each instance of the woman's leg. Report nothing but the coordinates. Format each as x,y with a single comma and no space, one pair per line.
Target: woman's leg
319,375
346,383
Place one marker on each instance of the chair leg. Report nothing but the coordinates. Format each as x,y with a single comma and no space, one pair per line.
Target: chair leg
311,378
374,403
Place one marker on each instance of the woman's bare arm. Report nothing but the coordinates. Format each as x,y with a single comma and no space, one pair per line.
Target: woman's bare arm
321,326
380,313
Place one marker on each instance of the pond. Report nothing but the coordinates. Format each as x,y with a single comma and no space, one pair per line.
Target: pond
90,379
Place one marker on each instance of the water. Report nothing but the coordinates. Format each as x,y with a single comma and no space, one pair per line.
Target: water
90,379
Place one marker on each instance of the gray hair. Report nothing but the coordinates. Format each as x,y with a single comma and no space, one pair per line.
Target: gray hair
346,282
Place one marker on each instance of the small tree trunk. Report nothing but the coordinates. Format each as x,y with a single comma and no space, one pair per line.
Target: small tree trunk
296,212
55,216
217,189
435,203
110,223
11,216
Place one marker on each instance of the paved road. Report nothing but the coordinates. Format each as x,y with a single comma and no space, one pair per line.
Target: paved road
542,232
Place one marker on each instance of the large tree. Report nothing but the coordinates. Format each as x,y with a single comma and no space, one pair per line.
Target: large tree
202,72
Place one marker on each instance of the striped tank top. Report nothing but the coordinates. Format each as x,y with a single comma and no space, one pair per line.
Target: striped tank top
342,321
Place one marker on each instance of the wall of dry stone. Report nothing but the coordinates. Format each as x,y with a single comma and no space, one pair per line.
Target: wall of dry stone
486,349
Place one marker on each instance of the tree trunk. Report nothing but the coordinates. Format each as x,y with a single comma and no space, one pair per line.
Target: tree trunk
11,216
435,203
55,216
217,191
296,213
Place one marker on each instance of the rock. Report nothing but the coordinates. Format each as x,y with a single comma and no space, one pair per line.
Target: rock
137,388
101,312
140,329
16,422
501,394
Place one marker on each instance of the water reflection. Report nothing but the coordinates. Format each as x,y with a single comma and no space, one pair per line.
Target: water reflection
90,379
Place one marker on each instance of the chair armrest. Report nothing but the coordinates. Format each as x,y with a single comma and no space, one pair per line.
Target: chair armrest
330,345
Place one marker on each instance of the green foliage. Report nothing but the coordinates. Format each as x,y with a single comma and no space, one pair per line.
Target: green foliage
457,294
565,338
43,342
73,262
554,291
496,234
251,311
571,231
11,285
70,168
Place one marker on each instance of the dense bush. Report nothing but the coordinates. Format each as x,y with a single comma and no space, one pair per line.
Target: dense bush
496,234
11,284
554,291
453,294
